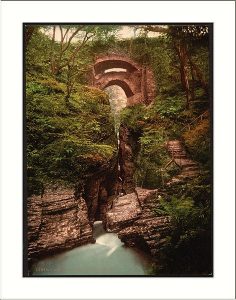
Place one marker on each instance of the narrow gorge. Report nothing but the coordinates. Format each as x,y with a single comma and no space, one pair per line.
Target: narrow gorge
64,219
118,151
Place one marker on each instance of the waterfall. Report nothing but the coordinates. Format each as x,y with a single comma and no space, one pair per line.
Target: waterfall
118,101
107,256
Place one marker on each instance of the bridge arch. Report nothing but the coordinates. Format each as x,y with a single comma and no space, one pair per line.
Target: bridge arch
137,81
123,84
104,63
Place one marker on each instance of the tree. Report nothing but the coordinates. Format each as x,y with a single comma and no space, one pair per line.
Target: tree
184,39
59,57
64,54
28,32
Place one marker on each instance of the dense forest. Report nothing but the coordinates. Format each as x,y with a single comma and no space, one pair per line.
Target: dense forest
74,132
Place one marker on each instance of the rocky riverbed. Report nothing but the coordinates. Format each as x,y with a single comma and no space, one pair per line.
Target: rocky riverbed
59,221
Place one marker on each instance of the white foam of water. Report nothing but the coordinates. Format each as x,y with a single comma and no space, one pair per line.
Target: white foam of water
111,241
107,256
112,250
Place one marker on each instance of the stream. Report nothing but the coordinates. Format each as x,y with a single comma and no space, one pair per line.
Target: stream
108,256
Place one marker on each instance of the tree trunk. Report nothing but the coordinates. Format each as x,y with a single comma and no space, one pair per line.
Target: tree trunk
52,55
183,59
193,84
29,30
197,72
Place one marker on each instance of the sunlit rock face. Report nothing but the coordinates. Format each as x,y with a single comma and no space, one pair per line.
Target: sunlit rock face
57,221
125,210
132,216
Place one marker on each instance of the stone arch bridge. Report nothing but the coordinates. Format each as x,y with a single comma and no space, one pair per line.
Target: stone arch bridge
137,81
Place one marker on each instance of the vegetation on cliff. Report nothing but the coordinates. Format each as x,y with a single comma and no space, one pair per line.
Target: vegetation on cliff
188,250
182,112
67,139
71,134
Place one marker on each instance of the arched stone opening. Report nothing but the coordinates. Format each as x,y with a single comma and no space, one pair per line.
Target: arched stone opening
115,70
137,81
112,63
123,84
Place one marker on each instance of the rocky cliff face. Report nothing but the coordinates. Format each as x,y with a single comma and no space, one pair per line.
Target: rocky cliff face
133,218
57,221
97,191
128,145
125,210
63,219
131,213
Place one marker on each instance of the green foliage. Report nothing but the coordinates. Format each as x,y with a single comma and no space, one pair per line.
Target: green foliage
171,107
184,214
156,52
200,56
151,140
38,53
188,247
166,119
198,141
44,86
66,143
151,151
134,117
71,135
156,124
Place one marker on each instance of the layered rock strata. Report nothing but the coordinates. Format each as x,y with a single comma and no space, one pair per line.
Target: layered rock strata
57,221
125,210
133,218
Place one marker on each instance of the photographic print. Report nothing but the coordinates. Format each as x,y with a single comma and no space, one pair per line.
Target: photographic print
118,149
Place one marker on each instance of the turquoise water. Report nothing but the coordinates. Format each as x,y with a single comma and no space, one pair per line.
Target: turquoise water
108,256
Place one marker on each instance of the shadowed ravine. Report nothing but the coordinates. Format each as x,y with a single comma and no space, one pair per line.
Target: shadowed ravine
118,150
108,256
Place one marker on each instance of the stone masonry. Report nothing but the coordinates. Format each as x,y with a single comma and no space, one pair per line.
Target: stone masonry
137,81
